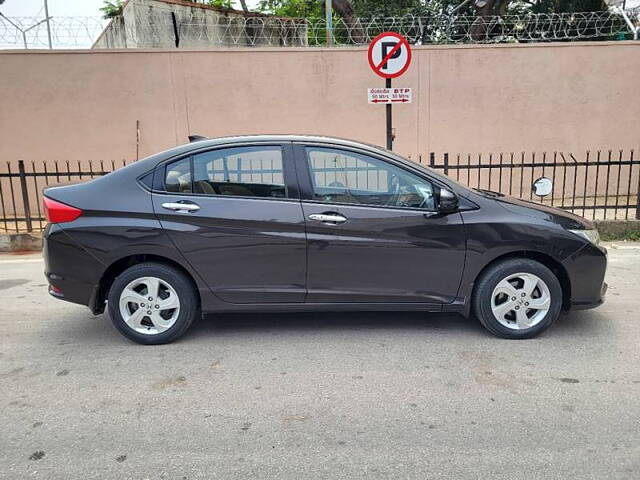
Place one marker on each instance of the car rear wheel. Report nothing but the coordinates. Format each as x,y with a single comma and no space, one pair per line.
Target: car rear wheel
152,303
517,298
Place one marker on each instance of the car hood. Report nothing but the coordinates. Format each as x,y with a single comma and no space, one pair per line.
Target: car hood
556,215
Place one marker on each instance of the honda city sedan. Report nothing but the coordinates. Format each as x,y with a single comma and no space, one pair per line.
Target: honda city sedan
302,223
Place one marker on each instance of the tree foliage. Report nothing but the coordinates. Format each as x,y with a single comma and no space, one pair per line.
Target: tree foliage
220,3
567,6
377,8
112,9
505,7
382,8
293,8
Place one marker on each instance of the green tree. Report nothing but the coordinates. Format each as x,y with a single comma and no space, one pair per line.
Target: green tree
568,6
382,8
112,9
343,8
292,8
504,7
377,8
220,3
490,8
350,10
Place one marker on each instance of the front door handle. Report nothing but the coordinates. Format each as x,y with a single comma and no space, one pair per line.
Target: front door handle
181,207
331,218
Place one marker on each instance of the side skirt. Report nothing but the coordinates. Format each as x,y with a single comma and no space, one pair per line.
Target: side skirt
327,307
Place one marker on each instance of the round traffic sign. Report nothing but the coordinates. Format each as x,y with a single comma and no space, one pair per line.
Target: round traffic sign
389,55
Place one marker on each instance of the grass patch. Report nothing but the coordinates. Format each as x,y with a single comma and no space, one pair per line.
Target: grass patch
628,236
610,231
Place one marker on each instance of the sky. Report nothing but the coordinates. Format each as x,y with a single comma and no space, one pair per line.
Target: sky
62,8
35,8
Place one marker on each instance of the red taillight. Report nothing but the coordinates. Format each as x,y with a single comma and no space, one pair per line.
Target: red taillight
56,212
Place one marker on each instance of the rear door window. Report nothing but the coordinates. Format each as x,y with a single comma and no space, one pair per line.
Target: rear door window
240,171
178,176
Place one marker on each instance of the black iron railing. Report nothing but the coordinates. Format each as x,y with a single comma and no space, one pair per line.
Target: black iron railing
21,189
598,185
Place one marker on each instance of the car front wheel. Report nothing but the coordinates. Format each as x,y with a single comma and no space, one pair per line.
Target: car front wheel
517,298
152,303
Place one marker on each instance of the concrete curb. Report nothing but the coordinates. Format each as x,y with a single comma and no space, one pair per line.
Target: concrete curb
16,242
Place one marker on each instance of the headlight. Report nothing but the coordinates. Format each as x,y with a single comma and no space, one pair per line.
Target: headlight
590,235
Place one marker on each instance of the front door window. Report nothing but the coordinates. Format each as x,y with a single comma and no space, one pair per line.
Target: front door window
345,177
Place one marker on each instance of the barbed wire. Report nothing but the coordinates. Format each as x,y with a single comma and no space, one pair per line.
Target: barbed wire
238,30
66,32
441,29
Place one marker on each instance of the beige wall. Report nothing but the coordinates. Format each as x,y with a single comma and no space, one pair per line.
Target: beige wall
82,105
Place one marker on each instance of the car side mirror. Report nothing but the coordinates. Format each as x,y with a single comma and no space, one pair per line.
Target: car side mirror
448,201
542,187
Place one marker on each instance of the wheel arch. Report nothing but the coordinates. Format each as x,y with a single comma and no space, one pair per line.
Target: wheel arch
120,265
547,260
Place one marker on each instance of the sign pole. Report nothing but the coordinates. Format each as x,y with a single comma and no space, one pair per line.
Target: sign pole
389,119
329,20
389,56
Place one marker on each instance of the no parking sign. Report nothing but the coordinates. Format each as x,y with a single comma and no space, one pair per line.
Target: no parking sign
389,57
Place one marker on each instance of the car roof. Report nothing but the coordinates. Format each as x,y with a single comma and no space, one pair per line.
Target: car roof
153,160
284,138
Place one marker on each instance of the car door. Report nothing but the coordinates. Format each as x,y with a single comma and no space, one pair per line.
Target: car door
373,231
234,213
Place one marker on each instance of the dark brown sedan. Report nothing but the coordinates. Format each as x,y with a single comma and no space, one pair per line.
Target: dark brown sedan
281,223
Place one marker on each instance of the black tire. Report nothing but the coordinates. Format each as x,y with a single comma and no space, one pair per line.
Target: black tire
481,300
181,283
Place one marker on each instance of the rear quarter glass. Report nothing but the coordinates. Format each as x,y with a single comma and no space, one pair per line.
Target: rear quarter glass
147,180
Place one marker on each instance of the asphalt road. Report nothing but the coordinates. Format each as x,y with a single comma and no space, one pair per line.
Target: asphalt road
301,396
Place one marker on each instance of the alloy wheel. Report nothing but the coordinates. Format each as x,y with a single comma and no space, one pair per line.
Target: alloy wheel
520,301
149,305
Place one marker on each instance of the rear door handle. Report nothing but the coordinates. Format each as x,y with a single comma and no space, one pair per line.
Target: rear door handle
181,207
331,218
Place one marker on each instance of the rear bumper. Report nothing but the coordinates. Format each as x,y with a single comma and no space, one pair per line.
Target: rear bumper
586,269
72,273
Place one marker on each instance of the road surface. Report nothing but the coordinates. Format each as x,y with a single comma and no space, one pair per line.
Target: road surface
327,396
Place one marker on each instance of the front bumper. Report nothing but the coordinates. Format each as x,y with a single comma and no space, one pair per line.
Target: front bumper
586,270
588,305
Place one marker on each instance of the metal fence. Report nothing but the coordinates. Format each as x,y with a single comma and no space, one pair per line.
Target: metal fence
163,31
598,185
21,189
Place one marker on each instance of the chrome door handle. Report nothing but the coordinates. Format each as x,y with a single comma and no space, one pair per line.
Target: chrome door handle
181,207
334,218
